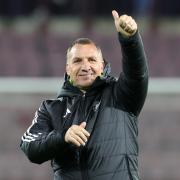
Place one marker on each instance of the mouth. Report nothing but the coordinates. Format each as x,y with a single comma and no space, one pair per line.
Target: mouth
85,75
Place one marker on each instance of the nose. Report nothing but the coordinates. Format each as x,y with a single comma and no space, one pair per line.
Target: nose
85,66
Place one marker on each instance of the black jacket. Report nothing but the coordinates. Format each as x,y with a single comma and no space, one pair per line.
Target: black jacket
110,107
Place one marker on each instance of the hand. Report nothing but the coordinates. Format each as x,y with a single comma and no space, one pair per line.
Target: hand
125,24
77,134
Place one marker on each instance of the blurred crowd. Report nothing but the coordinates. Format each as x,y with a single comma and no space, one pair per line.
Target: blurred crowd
13,8
86,10
38,48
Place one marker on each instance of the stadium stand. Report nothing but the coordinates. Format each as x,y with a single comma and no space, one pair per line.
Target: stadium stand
26,55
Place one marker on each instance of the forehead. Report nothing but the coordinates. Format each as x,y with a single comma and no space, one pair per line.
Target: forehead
84,50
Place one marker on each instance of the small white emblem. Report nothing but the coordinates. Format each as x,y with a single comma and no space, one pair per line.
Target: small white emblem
97,106
67,112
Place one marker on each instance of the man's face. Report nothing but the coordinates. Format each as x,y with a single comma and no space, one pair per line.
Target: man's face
84,64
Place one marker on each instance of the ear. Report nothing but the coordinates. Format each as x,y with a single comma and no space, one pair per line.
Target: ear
67,69
103,65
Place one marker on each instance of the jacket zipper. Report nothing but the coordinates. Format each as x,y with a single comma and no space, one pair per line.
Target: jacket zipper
82,162
83,106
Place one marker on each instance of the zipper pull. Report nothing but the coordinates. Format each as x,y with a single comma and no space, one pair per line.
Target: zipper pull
84,95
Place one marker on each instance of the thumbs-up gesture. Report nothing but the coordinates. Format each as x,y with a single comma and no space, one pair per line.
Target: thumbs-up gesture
125,24
77,135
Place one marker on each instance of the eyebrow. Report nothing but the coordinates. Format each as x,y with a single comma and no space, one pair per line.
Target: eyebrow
93,57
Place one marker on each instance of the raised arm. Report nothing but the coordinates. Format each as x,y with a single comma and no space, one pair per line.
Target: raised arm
131,88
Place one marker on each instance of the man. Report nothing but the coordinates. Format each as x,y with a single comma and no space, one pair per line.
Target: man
90,131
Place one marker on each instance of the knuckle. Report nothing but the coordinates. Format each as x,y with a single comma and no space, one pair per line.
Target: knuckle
73,127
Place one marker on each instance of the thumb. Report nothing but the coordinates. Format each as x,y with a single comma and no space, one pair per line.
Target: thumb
83,124
115,15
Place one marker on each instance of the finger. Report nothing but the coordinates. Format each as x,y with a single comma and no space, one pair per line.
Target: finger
131,28
82,136
122,21
123,17
83,124
75,129
122,24
115,15
130,22
86,133
128,29
74,141
79,140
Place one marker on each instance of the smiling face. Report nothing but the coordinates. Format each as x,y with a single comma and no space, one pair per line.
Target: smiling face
84,64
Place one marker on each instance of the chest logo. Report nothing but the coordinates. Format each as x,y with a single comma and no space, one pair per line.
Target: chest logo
67,112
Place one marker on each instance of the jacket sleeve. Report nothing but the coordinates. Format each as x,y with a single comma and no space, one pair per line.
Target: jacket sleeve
40,143
131,88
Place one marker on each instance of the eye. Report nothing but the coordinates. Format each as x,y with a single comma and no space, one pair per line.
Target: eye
77,60
91,59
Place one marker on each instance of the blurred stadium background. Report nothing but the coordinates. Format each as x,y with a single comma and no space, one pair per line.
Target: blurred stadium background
34,36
